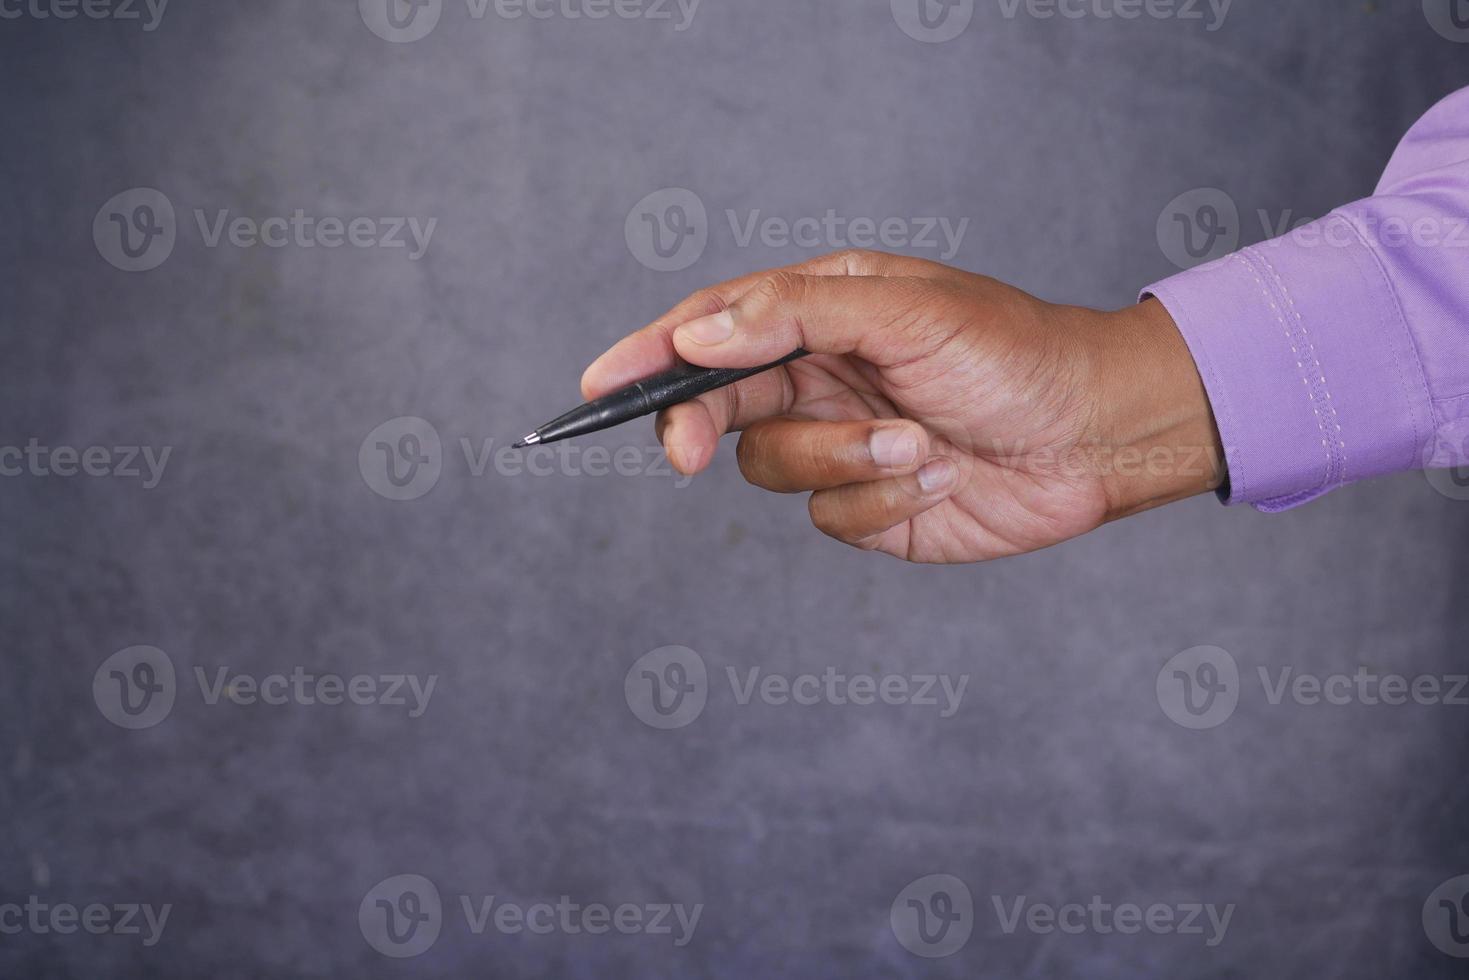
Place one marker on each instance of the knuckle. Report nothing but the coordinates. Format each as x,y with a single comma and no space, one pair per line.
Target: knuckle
822,514
747,455
706,300
758,460
829,517
781,288
857,261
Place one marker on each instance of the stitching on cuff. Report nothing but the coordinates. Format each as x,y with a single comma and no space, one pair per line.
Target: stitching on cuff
1330,422
1305,374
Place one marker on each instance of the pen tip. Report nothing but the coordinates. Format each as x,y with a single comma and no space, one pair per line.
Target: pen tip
529,440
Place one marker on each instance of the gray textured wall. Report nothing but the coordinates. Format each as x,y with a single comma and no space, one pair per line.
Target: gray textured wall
267,547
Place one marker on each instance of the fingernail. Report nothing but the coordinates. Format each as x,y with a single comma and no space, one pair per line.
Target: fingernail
709,330
937,475
894,446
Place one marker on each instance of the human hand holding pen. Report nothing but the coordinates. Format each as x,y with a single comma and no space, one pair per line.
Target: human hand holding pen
942,416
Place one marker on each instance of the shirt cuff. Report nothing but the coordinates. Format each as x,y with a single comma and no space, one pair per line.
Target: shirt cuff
1307,361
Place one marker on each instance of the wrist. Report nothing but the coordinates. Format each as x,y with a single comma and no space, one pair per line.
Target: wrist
1155,434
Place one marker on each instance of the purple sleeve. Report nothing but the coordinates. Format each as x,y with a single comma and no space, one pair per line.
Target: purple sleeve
1341,350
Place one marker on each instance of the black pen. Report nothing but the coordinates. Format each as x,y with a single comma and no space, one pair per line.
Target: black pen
644,398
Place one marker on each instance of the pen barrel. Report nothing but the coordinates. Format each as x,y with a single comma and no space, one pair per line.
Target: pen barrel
687,381
648,396
605,412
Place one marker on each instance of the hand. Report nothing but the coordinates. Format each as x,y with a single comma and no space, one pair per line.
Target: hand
943,416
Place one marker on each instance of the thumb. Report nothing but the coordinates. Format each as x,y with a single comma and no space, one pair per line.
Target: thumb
881,319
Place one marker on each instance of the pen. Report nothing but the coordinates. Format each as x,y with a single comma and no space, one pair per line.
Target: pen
644,398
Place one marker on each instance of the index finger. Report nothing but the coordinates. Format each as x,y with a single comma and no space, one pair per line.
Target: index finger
650,350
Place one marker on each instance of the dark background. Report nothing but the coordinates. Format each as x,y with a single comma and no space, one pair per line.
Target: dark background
264,548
